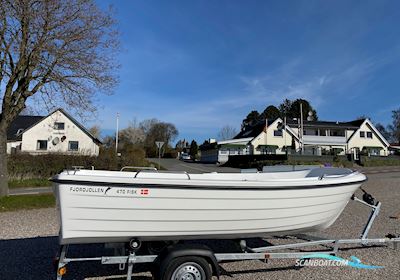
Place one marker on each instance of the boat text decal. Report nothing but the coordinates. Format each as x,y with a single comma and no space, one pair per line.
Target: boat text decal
110,191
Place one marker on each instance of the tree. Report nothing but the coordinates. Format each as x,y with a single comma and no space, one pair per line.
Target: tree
194,148
61,51
271,113
394,127
109,141
294,111
284,107
28,111
385,133
95,131
158,131
252,118
362,117
227,132
147,125
133,134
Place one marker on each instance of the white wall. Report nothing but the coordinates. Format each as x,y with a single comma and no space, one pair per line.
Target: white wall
44,130
13,144
359,142
268,138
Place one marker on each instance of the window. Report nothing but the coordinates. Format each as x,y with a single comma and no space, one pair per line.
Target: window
323,132
278,133
374,152
369,134
73,145
41,145
362,134
59,125
310,131
337,132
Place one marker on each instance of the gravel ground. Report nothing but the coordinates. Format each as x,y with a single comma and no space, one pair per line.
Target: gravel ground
28,244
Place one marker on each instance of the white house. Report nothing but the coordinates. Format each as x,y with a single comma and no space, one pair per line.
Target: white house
58,132
318,138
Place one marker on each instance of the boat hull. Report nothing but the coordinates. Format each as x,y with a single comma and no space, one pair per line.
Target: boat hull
104,213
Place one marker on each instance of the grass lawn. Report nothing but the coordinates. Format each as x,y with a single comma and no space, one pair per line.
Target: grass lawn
18,202
28,183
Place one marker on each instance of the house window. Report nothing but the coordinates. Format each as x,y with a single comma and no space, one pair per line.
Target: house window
337,132
41,145
310,132
369,134
59,125
374,152
278,133
73,145
362,134
323,132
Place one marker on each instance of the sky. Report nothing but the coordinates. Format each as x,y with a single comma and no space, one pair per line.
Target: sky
202,65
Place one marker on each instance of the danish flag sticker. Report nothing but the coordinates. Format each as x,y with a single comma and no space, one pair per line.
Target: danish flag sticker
144,191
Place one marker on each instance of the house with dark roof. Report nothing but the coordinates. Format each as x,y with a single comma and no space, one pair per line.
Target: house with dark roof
316,138
57,132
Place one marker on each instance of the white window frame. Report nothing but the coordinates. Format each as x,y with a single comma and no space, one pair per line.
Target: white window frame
69,146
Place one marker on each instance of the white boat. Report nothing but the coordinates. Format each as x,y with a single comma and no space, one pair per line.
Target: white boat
115,206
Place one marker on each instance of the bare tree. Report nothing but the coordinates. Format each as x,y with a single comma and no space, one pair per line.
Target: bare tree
227,132
133,134
59,51
95,131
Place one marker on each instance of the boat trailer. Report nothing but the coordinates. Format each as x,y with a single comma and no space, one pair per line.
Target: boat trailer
191,261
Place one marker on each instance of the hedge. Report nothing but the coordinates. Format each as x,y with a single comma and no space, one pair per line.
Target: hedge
25,166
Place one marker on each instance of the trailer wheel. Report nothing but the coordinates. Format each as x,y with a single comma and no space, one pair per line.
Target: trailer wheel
186,268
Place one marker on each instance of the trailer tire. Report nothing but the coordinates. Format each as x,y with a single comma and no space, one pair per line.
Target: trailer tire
187,267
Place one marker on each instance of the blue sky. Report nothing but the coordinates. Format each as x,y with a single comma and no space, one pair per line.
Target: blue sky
205,64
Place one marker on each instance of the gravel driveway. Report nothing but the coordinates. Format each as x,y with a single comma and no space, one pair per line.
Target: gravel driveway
28,244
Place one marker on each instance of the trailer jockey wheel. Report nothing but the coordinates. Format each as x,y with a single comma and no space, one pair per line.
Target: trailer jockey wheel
135,244
186,268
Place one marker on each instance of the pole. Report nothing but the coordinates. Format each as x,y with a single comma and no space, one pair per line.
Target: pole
301,127
159,157
266,136
284,131
116,135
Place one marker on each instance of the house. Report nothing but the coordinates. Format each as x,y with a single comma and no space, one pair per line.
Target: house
57,132
318,138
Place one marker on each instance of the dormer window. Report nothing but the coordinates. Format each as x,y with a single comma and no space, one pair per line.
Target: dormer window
59,126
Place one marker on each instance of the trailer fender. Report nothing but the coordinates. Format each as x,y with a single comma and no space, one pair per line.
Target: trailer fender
181,250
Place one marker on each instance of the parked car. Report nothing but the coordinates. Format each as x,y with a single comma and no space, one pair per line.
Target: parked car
184,156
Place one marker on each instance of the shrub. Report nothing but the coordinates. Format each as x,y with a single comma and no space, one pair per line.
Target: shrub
26,166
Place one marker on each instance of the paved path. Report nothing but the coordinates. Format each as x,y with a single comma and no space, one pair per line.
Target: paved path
36,190
379,169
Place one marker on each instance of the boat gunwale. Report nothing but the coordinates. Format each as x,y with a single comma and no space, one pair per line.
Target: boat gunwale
150,185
